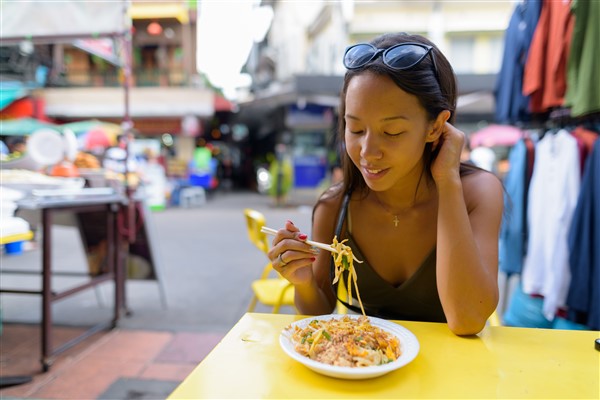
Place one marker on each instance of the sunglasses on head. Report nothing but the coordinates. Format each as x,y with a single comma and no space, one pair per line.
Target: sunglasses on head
401,57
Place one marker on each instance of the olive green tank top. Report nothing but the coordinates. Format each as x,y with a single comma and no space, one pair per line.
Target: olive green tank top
416,299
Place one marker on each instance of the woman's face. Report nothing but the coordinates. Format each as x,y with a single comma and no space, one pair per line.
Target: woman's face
386,130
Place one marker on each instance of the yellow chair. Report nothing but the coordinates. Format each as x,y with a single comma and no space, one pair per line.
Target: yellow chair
270,288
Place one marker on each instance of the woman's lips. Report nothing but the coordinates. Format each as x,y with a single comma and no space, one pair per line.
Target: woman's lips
374,173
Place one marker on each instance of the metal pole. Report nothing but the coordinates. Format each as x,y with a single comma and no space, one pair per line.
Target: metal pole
127,124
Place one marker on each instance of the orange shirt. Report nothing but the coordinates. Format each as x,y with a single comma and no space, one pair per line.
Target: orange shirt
544,76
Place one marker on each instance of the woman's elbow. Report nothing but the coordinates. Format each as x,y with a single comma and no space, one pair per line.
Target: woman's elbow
466,329
465,325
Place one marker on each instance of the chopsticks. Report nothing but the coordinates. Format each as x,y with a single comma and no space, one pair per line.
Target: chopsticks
320,245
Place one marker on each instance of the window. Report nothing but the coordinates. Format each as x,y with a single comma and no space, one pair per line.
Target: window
462,54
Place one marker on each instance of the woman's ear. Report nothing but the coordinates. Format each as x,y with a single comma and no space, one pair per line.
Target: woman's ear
437,127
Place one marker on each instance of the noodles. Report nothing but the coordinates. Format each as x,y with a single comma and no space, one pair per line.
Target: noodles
347,342
343,261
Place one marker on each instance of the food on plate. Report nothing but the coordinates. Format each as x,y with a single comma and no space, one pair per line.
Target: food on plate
345,342
344,261
86,160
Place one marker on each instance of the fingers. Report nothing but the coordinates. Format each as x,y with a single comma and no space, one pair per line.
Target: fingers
289,225
289,249
280,259
451,132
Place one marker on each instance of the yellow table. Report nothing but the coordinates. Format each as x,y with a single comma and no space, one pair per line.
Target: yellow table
500,362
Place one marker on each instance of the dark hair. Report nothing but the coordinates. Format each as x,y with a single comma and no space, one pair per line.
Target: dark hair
434,93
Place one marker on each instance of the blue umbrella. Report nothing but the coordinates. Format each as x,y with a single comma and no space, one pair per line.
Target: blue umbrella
23,126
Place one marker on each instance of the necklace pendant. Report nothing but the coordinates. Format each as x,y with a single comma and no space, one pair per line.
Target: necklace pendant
396,220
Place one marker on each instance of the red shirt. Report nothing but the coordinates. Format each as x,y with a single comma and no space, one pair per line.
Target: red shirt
545,75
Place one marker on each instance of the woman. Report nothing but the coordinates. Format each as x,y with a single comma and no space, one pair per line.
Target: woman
425,225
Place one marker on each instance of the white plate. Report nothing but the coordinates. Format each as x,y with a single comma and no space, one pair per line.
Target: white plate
46,146
409,347
71,145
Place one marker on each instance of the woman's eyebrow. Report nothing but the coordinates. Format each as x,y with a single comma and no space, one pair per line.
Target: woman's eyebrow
350,116
395,117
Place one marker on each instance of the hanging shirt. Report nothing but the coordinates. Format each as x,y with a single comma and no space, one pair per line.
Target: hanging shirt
552,198
583,64
512,232
585,139
583,299
544,78
511,105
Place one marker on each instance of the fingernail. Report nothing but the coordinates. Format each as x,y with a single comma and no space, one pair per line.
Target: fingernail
313,259
302,236
290,222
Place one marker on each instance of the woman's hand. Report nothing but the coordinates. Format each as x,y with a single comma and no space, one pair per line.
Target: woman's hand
291,256
446,164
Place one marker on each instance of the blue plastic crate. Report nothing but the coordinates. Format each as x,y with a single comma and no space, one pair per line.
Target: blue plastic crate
13,248
201,180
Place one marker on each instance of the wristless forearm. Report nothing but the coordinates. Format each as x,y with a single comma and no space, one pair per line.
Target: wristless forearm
464,284
310,299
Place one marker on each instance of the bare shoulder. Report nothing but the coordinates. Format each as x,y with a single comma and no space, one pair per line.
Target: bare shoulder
482,189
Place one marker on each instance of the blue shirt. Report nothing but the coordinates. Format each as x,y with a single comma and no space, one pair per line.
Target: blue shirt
583,299
512,233
511,105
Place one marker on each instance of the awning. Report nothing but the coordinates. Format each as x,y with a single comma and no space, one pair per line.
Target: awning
42,20
11,91
108,102
159,11
221,104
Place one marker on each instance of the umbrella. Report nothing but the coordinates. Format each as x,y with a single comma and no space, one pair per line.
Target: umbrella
94,134
98,138
23,126
82,127
495,135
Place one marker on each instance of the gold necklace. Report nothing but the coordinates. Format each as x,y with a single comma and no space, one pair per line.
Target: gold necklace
396,220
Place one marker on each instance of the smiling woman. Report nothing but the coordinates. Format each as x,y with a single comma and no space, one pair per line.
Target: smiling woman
425,225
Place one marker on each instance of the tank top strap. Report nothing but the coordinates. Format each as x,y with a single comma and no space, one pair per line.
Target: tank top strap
338,231
342,214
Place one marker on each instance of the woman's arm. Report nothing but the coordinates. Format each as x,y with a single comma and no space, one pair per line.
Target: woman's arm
469,217
307,271
320,299
467,250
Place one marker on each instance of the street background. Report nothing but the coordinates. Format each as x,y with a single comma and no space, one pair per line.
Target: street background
205,259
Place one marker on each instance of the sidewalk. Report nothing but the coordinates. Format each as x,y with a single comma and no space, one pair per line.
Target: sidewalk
207,266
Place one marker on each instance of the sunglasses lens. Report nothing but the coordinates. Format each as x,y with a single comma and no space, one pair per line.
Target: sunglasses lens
358,55
404,56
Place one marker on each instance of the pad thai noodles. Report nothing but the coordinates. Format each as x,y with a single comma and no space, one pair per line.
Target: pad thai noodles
346,342
343,261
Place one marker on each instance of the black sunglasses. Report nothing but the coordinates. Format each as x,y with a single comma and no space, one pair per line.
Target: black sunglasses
401,57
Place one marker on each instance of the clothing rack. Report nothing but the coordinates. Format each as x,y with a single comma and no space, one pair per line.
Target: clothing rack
562,117
559,118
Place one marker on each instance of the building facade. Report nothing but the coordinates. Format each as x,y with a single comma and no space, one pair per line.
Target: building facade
298,71
85,75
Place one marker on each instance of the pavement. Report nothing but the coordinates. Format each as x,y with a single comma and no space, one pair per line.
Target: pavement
205,260
206,264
